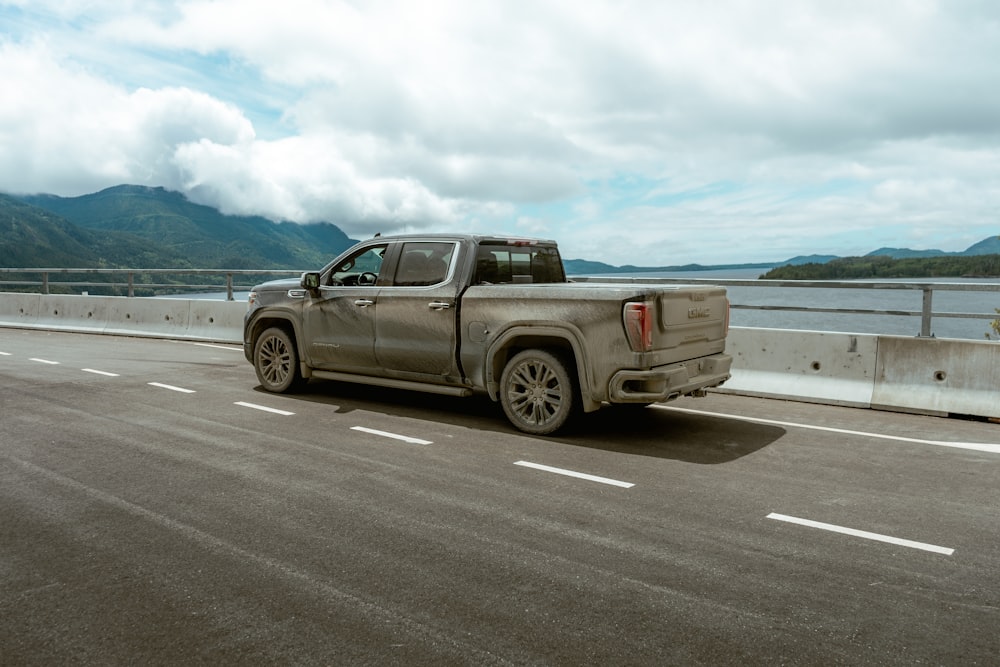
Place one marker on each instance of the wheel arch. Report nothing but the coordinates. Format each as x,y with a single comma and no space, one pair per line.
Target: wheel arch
565,342
265,321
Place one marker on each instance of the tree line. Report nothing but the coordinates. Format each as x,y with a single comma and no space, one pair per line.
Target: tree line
860,268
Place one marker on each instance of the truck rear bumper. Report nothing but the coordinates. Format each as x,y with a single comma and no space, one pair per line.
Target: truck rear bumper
664,383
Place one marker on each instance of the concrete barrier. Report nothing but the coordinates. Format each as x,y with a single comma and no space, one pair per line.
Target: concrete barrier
194,319
216,320
165,318
811,366
67,312
924,375
938,376
17,309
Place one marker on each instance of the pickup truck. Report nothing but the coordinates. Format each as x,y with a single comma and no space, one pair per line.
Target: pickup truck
464,314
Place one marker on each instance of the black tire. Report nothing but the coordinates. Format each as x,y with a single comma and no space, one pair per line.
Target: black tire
276,361
537,391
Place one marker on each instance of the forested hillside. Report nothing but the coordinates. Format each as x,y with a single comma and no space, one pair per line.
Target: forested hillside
877,266
34,237
130,226
138,227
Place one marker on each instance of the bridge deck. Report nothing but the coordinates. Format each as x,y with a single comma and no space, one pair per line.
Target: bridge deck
156,507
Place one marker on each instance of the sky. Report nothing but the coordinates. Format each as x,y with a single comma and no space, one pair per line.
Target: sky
645,132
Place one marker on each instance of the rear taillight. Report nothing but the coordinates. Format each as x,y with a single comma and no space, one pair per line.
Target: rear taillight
638,318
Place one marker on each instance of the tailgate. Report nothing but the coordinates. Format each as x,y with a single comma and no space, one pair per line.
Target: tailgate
690,316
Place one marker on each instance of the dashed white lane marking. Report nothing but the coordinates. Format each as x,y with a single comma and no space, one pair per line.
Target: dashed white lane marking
977,446
394,436
862,533
171,387
97,372
220,347
264,408
571,473
5,354
44,361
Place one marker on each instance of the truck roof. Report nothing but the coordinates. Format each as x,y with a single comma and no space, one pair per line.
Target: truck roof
476,238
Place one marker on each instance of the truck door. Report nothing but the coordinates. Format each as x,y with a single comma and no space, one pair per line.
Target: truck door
415,333
340,320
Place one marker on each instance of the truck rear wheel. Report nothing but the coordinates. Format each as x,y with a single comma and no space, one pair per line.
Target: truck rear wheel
277,362
537,392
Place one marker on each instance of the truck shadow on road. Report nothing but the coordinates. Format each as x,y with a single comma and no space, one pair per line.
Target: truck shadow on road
653,432
691,438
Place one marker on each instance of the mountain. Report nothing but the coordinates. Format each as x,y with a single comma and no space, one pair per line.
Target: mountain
30,236
193,234
33,237
882,266
808,259
580,267
905,253
989,246
131,226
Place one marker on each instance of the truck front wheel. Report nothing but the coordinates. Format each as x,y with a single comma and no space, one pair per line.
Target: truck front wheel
537,392
277,362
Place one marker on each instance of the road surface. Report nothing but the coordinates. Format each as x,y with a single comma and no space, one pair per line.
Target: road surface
156,507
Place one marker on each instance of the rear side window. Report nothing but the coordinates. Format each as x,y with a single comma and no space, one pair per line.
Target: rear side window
423,264
497,264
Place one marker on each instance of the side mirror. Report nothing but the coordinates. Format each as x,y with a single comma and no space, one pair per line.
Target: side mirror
309,281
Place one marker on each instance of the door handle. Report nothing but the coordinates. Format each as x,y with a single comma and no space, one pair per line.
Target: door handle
364,303
439,305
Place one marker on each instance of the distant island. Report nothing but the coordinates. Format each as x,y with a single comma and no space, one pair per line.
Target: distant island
981,260
583,267
883,266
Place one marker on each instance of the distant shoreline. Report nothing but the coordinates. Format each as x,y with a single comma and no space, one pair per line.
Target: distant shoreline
883,267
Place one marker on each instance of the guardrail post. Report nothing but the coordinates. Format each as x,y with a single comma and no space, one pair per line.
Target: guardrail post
229,287
131,284
926,312
45,282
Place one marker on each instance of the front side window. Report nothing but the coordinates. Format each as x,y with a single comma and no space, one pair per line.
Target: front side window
361,268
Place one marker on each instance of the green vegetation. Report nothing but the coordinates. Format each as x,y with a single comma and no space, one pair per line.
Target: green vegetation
860,268
137,227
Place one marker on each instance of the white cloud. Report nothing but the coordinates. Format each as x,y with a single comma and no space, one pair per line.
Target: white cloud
682,131
71,131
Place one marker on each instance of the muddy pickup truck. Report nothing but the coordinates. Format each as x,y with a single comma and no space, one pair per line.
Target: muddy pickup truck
464,314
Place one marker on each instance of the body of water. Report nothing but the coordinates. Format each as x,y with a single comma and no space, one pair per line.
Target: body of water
865,299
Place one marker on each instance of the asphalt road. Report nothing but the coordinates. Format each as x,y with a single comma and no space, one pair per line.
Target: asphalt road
156,507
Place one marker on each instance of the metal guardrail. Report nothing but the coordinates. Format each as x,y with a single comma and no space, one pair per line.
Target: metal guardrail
46,282
926,313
